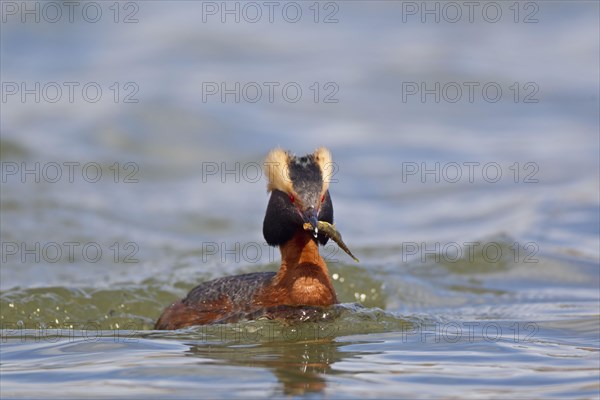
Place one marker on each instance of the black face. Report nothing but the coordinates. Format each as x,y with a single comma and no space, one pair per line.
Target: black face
284,218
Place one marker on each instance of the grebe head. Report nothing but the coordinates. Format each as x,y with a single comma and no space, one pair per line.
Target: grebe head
299,189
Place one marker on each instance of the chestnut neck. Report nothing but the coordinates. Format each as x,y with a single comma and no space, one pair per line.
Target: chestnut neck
301,249
303,274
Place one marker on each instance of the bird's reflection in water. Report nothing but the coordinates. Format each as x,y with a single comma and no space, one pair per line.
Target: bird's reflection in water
300,356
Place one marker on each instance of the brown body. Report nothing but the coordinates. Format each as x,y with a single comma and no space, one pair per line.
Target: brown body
302,280
299,195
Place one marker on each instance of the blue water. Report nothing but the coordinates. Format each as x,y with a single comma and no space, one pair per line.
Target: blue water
476,219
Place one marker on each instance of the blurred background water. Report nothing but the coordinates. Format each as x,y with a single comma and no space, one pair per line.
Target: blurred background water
465,139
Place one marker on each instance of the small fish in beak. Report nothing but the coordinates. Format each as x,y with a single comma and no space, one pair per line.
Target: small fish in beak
310,215
329,230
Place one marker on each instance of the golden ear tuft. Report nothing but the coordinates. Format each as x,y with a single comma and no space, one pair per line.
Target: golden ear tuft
277,171
323,159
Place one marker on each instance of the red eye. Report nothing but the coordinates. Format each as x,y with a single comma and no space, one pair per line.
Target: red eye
322,198
292,198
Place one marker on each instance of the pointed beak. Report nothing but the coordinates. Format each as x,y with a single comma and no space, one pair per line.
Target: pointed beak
310,215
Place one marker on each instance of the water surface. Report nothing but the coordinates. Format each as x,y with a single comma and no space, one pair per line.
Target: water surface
470,287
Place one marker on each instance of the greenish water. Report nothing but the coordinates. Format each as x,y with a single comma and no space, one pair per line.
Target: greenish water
483,286
503,329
